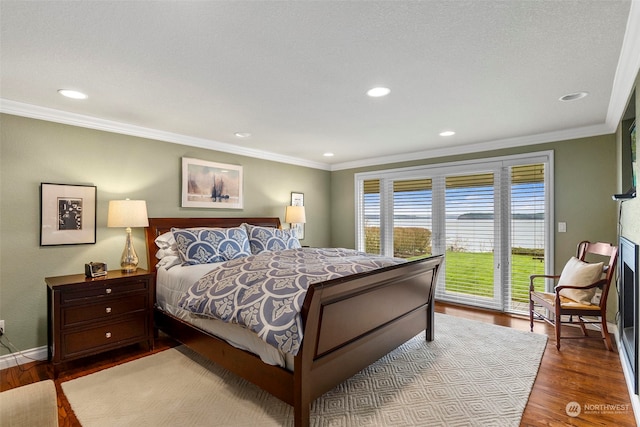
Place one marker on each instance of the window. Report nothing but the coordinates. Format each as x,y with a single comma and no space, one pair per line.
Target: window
412,218
371,219
528,232
470,237
491,219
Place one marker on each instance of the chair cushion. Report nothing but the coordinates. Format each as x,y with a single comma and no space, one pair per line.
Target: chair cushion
550,300
580,273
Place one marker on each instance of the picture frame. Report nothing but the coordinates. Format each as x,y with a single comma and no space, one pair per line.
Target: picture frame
297,199
67,214
208,184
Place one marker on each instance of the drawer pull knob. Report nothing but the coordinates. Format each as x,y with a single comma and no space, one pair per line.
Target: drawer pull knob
108,309
108,290
107,335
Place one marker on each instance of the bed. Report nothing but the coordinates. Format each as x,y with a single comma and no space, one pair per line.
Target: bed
347,322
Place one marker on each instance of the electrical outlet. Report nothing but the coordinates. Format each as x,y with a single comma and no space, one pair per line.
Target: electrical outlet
2,331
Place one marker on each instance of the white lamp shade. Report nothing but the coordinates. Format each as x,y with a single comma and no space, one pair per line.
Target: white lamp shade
295,215
127,213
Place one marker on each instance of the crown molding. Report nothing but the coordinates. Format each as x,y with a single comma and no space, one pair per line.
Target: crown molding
49,114
541,138
74,119
628,67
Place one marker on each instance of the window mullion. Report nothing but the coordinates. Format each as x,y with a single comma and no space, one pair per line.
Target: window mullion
386,217
438,237
503,234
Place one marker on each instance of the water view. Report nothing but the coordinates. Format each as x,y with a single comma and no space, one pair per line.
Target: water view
476,235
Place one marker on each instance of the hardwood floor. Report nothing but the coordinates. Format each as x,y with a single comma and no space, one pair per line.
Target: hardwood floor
583,372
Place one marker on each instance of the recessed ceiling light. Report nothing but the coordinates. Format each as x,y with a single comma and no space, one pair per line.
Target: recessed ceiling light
447,133
242,134
573,96
72,94
377,92
328,154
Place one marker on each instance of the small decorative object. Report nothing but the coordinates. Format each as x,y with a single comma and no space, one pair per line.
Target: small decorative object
95,269
211,185
67,214
295,215
128,213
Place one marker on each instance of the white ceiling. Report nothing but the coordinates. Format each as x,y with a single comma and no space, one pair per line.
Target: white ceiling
294,73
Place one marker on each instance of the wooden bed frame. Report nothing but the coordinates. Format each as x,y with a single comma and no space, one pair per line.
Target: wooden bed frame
349,323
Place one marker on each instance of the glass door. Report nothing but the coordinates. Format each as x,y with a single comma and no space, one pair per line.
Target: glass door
470,237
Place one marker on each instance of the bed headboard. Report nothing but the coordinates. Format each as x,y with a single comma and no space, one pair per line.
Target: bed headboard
158,226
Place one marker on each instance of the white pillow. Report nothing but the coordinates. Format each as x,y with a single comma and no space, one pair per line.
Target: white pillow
167,252
167,244
580,273
169,261
165,240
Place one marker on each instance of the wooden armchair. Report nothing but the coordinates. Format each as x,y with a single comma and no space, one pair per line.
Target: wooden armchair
576,286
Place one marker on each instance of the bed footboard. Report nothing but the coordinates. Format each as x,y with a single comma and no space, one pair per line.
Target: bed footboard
353,321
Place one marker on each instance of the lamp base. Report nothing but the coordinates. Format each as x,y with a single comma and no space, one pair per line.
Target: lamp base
129,260
129,269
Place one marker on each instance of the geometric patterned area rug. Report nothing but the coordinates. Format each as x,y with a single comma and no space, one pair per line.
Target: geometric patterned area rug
472,374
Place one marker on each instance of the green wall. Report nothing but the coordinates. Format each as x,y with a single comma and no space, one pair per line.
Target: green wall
34,151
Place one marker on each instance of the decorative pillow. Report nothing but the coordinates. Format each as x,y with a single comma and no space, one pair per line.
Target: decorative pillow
207,245
263,239
580,273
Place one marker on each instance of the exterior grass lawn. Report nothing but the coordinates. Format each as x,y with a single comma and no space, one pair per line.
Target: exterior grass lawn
472,273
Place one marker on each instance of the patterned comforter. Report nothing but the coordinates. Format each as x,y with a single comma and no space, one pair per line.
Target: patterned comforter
265,292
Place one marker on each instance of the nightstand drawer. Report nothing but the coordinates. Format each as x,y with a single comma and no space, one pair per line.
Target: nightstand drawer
132,328
105,309
98,289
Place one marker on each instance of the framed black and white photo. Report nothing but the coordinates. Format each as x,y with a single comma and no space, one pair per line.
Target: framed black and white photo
67,214
211,185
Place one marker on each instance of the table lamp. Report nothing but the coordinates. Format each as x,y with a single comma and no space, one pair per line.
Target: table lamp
128,213
295,215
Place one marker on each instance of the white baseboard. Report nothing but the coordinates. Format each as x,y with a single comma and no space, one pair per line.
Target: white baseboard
26,356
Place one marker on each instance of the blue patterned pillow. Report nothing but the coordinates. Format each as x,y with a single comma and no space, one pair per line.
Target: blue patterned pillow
263,239
207,245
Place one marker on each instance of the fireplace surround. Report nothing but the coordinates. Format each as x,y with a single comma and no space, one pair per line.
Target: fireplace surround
628,293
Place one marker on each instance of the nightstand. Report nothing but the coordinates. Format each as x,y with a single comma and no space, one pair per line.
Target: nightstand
90,315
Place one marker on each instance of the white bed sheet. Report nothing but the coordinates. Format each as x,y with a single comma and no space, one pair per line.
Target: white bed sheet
170,285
